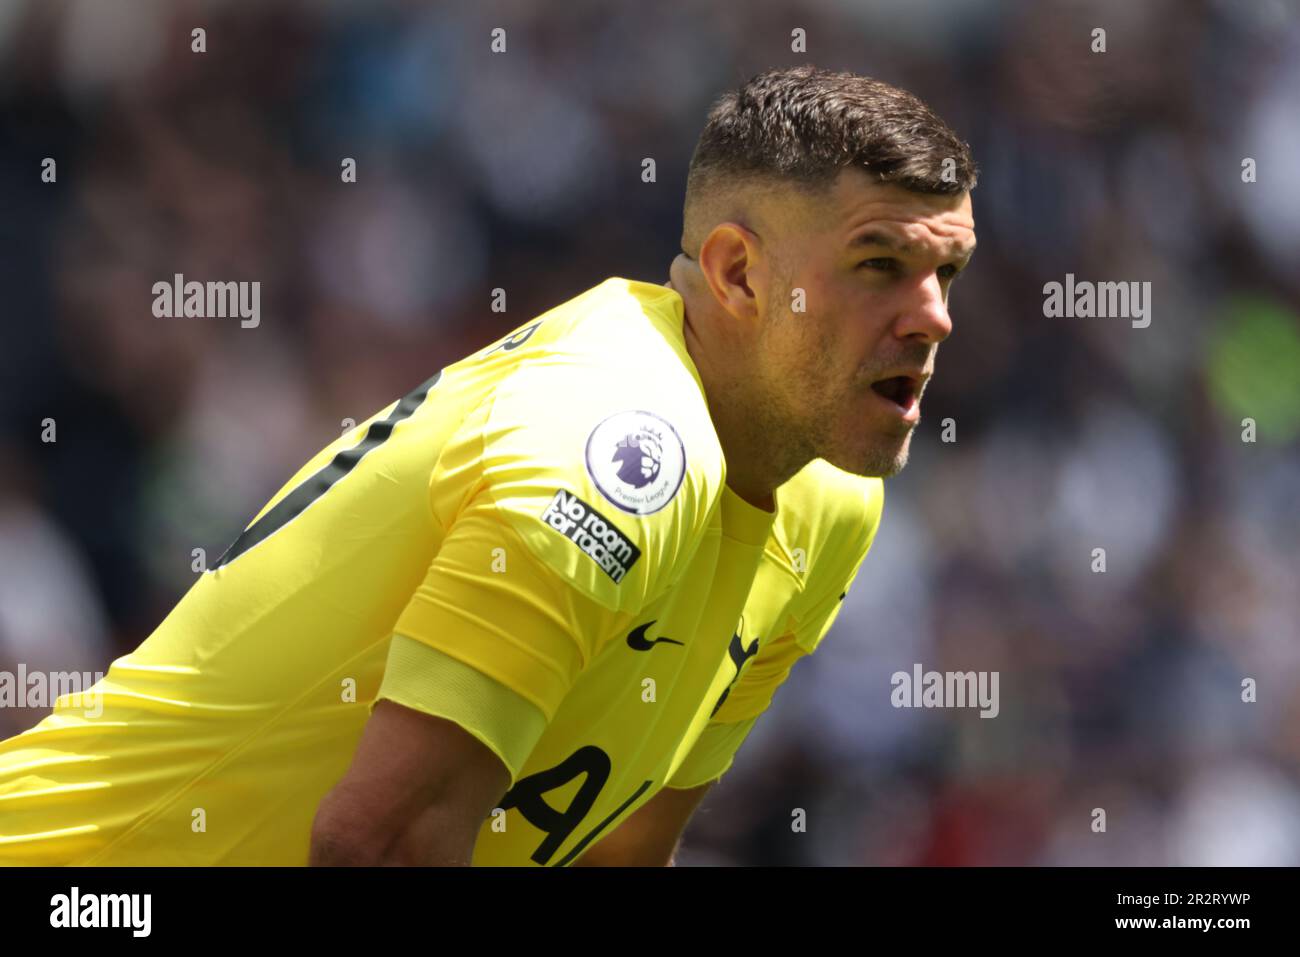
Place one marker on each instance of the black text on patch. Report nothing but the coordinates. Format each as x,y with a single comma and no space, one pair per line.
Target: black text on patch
593,533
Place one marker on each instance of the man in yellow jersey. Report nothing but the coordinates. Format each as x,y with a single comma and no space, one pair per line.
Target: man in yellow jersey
527,613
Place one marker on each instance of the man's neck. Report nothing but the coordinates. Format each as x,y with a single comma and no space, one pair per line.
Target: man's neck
756,466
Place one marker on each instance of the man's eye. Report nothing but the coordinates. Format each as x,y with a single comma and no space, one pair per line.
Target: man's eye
886,264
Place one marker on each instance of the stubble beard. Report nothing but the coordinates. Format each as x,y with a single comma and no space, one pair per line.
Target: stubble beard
815,418
861,446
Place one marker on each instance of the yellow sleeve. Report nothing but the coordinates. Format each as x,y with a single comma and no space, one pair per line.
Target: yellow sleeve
750,696
712,754
830,581
420,677
752,692
488,603
809,622
545,555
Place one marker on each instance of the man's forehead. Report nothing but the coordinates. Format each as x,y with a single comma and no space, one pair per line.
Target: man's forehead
862,206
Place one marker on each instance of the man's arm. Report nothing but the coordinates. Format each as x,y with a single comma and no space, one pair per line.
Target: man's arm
417,792
650,836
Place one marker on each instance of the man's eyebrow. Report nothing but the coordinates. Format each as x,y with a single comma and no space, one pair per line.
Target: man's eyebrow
886,241
874,238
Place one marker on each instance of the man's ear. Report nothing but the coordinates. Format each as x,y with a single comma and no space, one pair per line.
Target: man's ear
726,258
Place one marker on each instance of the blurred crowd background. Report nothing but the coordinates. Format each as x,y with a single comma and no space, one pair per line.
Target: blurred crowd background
522,170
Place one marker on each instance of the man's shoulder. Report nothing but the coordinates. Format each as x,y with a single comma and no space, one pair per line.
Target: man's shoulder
823,495
597,447
609,390
618,316
832,516
631,333
830,513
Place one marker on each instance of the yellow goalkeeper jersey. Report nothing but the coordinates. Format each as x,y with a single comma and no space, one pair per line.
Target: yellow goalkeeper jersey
537,543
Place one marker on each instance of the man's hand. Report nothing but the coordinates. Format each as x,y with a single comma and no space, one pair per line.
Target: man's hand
417,792
649,837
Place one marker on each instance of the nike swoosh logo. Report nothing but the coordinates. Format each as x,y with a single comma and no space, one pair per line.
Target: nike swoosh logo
637,641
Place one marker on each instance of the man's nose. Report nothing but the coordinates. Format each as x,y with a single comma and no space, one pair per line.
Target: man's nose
926,316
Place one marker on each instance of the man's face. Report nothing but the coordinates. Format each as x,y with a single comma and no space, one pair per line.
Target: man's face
875,262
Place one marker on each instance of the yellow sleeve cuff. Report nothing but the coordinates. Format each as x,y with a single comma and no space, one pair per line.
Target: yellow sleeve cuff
424,679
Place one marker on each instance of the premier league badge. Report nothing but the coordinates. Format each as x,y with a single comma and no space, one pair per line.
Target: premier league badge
637,461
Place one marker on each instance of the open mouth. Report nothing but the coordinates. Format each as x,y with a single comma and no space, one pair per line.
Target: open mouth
902,390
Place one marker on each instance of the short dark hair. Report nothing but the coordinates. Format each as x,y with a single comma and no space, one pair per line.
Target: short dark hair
804,125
